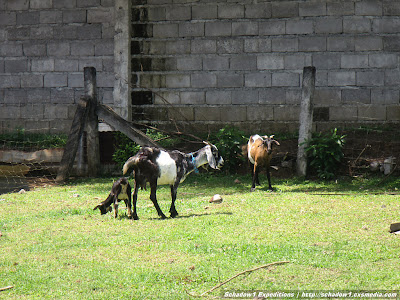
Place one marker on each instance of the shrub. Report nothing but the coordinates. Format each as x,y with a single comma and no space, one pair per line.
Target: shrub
325,152
22,140
228,141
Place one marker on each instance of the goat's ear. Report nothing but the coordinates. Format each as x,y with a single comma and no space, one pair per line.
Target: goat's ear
98,206
276,142
210,157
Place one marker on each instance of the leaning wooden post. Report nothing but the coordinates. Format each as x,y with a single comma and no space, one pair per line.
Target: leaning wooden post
306,118
70,149
92,126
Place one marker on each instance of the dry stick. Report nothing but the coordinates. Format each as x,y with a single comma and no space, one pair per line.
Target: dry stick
6,288
241,273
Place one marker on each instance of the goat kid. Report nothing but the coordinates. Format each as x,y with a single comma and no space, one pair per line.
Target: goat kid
159,167
259,152
121,190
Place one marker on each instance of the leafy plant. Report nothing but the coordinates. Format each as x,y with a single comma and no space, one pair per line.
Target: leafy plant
228,141
325,152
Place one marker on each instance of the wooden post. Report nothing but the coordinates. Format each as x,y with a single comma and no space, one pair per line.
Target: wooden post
92,126
306,118
74,137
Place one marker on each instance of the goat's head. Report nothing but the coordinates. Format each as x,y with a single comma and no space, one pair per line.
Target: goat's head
268,142
103,209
214,159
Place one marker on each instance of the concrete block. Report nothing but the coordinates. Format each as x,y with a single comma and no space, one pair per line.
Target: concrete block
285,44
10,49
372,113
328,97
230,80
285,79
55,80
154,14
392,78
165,30
357,25
230,11
95,62
351,61
260,79
17,5
391,8
10,81
312,43
393,113
170,97
66,65
178,47
42,33
286,113
40,4
177,81
326,61
8,18
385,96
383,60
297,61
218,97
55,111
207,113
368,43
343,113
15,96
31,80
191,29
32,112
203,80
100,15
88,3
215,63
268,62
272,96
82,48
260,113
60,126
312,9
258,11
293,96
284,9
181,114
329,25
178,13
58,49
244,28
370,78
10,112
189,63
299,27
341,78
203,46
20,33
16,65
104,48
66,32
225,46
356,96
391,43
50,17
105,80
246,97
192,98
272,28
75,80
74,16
234,113
368,8
64,4
89,31
62,96
321,78
218,29
243,62
342,8
201,12
1,66
38,95
340,43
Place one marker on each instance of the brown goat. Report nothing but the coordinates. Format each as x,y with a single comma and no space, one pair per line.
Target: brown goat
259,151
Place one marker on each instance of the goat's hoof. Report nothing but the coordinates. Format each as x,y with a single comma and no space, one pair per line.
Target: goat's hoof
173,215
163,217
252,189
135,217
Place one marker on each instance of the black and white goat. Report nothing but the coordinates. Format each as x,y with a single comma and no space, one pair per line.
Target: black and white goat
160,167
121,190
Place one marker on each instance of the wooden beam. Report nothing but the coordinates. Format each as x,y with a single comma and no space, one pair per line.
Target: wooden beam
306,119
120,124
92,125
74,136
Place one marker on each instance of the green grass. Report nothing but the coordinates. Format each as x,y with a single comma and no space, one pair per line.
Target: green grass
54,246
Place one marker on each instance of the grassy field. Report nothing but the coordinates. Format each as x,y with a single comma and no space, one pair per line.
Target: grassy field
335,236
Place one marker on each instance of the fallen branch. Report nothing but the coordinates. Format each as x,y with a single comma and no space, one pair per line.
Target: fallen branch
6,288
238,274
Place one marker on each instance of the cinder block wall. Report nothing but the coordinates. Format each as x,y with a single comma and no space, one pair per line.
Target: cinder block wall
240,62
44,46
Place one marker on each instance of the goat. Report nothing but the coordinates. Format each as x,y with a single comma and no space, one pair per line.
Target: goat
259,152
159,167
121,190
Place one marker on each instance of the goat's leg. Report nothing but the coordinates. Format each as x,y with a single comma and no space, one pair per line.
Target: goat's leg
115,204
269,179
134,200
153,198
172,210
255,178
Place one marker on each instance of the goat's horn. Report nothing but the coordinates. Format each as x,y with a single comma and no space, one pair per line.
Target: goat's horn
272,136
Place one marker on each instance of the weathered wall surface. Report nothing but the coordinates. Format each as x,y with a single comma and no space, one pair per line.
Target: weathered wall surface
44,46
241,62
